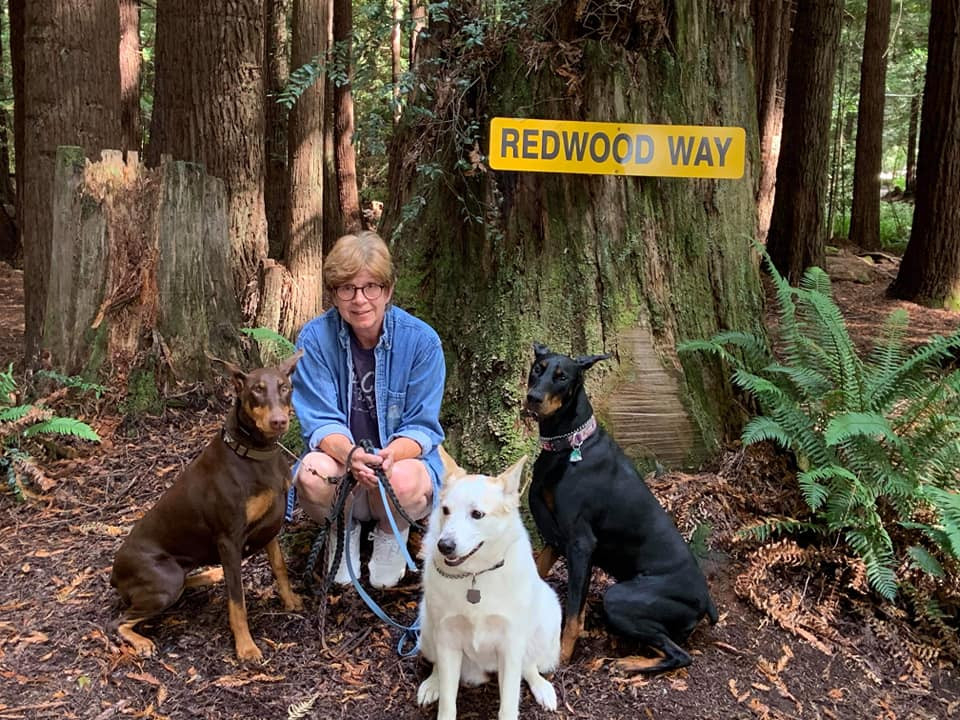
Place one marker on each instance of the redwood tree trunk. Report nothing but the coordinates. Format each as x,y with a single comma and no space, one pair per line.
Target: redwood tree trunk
9,237
71,96
346,158
304,257
930,271
17,32
865,215
584,263
910,182
130,75
796,237
208,108
772,20
277,66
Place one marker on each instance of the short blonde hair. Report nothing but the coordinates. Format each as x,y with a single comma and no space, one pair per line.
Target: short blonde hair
353,253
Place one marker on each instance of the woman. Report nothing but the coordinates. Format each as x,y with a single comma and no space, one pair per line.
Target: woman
370,371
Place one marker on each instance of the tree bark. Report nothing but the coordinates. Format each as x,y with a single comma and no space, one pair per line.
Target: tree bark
865,213
304,257
130,75
930,270
10,249
773,20
346,158
17,33
141,282
796,237
209,109
910,181
418,17
627,265
71,95
395,59
277,66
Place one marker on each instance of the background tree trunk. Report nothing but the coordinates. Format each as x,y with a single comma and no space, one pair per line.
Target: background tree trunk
76,42
628,265
17,33
10,250
302,284
910,181
208,108
772,20
395,39
796,237
141,283
346,158
418,18
130,75
277,65
930,271
865,212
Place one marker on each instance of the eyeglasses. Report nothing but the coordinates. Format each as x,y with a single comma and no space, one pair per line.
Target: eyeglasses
371,291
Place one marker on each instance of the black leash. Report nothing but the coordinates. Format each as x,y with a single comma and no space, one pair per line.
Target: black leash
381,476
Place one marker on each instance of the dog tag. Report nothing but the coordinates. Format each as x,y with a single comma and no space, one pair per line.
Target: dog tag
576,455
473,596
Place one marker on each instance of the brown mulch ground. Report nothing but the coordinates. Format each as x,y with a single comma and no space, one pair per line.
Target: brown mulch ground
57,659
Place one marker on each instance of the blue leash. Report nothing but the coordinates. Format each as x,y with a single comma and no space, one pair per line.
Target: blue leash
408,634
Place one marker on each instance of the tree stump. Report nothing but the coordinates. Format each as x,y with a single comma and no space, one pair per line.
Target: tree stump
139,276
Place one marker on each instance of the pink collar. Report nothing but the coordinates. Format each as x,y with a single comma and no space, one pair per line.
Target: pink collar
571,440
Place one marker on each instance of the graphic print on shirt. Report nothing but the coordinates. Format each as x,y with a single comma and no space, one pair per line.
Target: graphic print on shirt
363,396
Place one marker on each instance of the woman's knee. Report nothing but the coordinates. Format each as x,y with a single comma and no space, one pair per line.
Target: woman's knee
411,482
313,482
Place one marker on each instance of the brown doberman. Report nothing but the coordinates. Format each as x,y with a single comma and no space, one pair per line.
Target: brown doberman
226,505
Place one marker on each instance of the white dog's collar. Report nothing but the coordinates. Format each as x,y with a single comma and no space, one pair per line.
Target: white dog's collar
473,595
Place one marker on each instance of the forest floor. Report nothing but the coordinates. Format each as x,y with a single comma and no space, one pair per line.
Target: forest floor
841,657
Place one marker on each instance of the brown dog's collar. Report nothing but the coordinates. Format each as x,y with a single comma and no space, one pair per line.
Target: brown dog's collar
247,452
571,441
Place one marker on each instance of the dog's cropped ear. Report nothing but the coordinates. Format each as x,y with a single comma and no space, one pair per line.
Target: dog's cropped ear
451,470
287,366
540,351
510,478
236,374
588,361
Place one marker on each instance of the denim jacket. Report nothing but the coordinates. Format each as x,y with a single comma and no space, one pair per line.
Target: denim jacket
410,375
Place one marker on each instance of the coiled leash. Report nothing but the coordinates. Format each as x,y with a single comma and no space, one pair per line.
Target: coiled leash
409,634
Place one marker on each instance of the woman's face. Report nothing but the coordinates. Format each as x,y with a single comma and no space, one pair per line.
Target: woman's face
364,315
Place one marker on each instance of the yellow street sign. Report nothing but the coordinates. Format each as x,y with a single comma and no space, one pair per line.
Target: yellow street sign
601,148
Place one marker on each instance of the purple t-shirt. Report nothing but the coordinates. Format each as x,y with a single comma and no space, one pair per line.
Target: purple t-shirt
363,395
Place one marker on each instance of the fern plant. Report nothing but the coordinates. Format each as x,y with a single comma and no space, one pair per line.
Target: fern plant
876,439
27,420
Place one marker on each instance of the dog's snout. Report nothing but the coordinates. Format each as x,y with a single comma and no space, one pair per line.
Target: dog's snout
534,398
279,423
446,547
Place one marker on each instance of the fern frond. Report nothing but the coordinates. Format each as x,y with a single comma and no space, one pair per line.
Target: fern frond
300,80
809,382
763,428
708,346
850,424
272,338
11,414
64,426
73,381
811,483
926,562
763,531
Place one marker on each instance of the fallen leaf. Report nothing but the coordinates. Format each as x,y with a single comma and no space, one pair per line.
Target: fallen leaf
234,681
144,677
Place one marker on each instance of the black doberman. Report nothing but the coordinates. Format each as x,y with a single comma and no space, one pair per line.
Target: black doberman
226,504
592,507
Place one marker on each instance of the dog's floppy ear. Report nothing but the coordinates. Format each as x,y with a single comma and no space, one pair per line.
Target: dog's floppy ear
540,350
287,366
236,374
451,470
510,478
588,361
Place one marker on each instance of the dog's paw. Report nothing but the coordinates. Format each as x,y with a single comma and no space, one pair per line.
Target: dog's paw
543,693
294,604
429,690
249,652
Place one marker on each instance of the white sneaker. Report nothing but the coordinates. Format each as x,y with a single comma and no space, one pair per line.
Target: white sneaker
351,544
387,564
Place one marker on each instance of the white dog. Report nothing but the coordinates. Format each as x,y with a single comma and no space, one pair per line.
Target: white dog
485,608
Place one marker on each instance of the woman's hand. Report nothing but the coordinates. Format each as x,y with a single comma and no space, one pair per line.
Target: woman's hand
363,466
